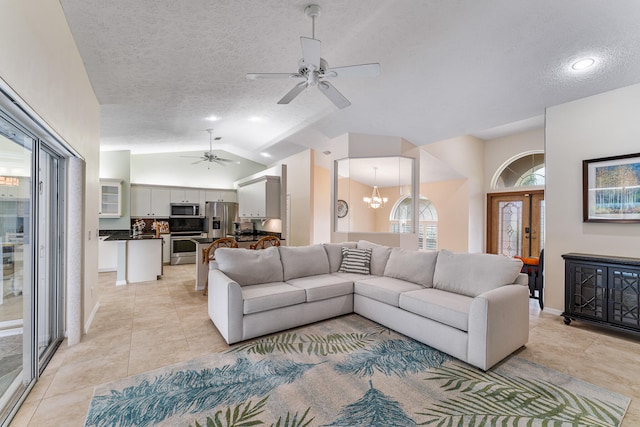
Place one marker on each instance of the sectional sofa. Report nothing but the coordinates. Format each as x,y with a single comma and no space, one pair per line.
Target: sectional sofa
471,306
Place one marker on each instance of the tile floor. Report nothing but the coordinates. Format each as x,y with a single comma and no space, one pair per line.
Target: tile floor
145,326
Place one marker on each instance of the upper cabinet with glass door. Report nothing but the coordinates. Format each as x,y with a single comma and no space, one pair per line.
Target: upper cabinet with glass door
110,198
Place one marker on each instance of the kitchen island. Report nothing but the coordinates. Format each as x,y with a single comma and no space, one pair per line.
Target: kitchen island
139,258
202,267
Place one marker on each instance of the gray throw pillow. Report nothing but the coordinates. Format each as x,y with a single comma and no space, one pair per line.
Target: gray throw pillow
473,274
412,266
355,261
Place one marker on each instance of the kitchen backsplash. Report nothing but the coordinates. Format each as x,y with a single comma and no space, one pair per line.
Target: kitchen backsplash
148,226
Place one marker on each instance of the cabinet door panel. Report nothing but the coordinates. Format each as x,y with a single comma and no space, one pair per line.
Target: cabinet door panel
587,290
140,201
160,202
624,285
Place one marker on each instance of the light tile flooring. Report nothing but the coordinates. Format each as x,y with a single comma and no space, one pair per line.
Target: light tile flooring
145,326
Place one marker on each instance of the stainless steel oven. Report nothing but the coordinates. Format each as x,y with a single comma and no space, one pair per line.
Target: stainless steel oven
184,248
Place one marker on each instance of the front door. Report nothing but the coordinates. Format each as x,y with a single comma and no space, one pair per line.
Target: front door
515,223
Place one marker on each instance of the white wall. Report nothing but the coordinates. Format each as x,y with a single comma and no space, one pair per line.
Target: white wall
500,151
40,62
464,155
598,126
173,169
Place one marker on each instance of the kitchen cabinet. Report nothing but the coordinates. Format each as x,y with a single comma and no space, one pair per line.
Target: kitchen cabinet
260,198
185,195
602,290
107,255
110,198
221,196
150,202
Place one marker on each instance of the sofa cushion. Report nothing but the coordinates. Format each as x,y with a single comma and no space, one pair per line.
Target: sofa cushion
442,306
303,261
412,266
250,267
384,289
356,261
334,253
268,296
473,274
323,286
379,256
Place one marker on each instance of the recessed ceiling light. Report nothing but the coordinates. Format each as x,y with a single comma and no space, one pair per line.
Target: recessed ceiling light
212,118
583,64
265,154
256,119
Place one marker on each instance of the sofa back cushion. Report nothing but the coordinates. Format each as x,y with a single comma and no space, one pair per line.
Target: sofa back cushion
250,267
412,266
379,256
473,274
303,261
334,253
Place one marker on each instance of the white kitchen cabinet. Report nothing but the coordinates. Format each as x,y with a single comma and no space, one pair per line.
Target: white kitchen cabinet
260,198
150,202
110,198
107,254
185,195
221,196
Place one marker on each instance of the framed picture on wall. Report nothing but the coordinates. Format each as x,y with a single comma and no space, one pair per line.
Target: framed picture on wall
611,189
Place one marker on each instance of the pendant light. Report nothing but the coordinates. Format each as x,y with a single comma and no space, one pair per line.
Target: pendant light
375,201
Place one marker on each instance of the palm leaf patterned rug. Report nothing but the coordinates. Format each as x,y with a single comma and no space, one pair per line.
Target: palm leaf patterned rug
350,371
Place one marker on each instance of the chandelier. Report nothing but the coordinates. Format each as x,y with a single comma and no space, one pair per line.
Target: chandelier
375,201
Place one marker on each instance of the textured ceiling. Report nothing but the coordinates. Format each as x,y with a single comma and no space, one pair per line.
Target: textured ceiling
449,68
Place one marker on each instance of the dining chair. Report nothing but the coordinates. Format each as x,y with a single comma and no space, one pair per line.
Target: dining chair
265,242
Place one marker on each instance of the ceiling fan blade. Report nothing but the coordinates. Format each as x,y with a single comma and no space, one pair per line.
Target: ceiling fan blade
293,93
363,70
199,161
333,94
192,157
255,76
220,159
310,51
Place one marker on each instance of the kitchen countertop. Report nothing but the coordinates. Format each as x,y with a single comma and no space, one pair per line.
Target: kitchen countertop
238,238
139,237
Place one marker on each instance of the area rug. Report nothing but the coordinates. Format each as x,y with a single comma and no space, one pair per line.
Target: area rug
350,371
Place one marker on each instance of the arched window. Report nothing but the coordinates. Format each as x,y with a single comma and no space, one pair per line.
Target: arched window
427,221
526,171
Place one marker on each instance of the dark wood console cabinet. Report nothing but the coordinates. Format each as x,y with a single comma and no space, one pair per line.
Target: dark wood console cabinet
604,290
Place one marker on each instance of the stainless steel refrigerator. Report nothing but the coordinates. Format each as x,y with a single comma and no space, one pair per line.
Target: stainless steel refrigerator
220,218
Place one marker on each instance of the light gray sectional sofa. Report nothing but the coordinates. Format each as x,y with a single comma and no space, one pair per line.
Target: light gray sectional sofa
471,306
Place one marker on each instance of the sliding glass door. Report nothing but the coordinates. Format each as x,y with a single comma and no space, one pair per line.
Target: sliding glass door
32,182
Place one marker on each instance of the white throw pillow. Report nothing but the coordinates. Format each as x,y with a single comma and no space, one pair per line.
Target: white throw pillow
379,256
303,261
412,266
356,261
473,274
250,267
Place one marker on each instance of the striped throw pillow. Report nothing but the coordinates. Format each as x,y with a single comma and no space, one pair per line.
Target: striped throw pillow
355,261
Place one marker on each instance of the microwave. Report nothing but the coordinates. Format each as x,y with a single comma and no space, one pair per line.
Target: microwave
185,209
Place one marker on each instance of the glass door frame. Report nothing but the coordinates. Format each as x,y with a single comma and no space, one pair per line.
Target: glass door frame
34,363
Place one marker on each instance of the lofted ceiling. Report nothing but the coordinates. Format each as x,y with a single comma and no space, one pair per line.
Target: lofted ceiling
159,68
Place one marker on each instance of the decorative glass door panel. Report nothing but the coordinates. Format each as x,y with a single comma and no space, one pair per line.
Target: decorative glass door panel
625,296
515,223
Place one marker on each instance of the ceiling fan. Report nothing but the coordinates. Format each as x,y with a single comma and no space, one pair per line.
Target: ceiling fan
210,156
314,70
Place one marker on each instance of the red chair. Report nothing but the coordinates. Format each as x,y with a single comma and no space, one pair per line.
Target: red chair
534,268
